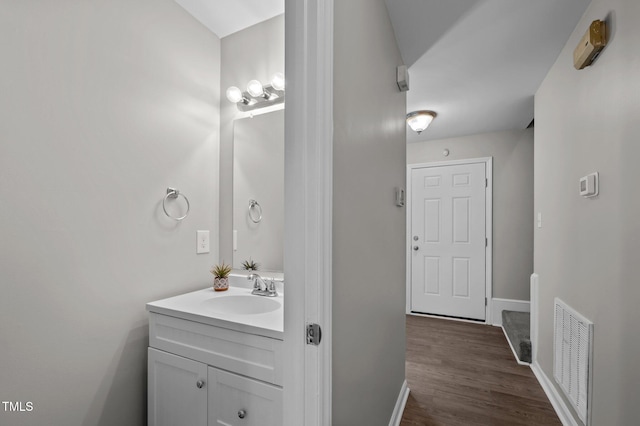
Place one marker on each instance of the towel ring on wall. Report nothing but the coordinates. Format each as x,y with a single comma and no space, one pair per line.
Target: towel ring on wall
254,205
173,194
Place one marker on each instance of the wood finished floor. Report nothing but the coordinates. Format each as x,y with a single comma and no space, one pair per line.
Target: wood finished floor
465,374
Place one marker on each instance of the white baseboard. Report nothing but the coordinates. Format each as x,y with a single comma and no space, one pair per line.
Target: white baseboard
417,314
562,410
499,305
515,355
398,410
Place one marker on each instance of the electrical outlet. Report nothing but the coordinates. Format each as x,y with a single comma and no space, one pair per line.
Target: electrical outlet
202,245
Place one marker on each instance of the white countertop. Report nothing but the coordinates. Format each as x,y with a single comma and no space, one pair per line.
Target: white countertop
193,307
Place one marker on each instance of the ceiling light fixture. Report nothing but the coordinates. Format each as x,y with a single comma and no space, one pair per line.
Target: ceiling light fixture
420,120
257,94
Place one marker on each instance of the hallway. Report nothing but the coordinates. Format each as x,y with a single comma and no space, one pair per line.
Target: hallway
465,374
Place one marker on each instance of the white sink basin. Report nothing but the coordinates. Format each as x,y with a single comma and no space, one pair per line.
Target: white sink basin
242,304
236,309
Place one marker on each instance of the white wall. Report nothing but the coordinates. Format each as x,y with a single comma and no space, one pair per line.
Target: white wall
255,53
369,160
513,217
104,105
587,251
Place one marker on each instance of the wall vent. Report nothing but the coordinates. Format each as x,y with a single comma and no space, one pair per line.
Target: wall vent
573,340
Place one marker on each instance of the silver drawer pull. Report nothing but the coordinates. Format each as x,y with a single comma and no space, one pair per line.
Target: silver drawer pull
200,384
242,414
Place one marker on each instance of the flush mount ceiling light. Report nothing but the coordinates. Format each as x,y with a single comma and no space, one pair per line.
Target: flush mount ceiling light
257,94
420,120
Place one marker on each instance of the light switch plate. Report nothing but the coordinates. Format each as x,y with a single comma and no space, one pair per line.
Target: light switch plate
202,242
400,197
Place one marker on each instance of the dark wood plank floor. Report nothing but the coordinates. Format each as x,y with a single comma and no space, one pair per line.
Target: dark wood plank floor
465,374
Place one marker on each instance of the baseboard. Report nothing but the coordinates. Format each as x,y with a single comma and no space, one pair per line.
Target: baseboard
515,355
398,410
499,305
562,410
442,317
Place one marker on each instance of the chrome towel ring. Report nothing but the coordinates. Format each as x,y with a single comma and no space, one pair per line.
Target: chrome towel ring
173,194
255,206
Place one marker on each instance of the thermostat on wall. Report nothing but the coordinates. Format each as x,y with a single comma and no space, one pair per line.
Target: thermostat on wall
589,185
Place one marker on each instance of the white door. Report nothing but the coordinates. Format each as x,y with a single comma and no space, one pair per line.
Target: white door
448,246
177,390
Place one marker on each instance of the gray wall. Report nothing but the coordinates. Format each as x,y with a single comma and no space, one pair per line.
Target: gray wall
587,251
104,105
368,229
513,217
255,53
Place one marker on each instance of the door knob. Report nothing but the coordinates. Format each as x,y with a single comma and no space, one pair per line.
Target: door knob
200,384
416,248
242,414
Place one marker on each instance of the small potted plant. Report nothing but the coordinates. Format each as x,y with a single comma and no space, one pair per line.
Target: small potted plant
221,276
250,265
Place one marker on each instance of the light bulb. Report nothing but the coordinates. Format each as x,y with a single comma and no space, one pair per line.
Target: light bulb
234,94
277,81
254,87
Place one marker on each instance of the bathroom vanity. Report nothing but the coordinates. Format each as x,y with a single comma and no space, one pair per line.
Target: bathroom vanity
215,358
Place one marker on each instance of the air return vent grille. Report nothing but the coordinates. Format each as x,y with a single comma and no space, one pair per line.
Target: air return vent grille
573,337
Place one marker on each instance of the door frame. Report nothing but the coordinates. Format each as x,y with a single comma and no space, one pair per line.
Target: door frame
308,210
488,161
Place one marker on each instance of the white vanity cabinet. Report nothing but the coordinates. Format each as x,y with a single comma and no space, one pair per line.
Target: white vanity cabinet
201,374
177,390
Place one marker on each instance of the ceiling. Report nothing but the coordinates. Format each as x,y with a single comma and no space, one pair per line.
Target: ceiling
224,17
477,63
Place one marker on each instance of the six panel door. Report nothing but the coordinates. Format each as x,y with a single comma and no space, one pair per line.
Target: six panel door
448,236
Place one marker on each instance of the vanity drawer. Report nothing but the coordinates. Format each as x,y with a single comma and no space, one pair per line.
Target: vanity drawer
247,354
240,401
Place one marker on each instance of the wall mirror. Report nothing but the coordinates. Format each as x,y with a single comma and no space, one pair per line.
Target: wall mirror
258,190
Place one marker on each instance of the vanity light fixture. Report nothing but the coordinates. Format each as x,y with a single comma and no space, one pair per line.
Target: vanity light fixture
235,95
255,89
257,94
277,81
420,120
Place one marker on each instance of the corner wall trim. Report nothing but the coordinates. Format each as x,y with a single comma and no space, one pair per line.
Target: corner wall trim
396,417
499,305
561,408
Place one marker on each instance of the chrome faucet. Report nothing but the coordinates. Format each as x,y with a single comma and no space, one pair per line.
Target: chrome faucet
261,287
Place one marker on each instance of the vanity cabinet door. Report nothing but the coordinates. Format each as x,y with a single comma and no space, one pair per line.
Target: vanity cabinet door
237,400
177,390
